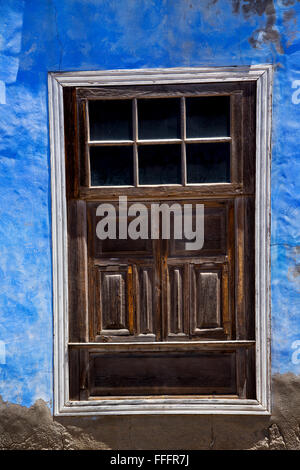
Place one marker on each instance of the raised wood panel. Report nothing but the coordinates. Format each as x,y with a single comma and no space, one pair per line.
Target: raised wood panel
109,248
124,304
113,247
215,233
146,303
206,301
114,301
160,373
111,303
176,319
177,302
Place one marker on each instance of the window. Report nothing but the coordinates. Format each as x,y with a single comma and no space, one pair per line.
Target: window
147,324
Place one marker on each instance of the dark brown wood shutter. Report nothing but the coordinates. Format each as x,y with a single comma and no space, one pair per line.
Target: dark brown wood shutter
148,317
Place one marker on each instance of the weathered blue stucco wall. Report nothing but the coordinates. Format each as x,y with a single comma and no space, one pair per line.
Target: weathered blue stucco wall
50,35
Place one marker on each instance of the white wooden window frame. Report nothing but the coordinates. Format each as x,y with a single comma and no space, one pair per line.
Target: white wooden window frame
263,75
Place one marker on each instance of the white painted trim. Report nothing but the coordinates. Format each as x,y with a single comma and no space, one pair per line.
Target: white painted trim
262,74
160,76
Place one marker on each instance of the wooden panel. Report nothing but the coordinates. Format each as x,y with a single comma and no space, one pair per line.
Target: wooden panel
124,303
230,329
166,346
156,373
74,363
249,138
249,266
206,299
176,319
245,370
206,302
226,311
236,124
214,191
111,248
177,302
245,267
114,247
146,302
84,389
78,274
215,232
162,90
239,269
113,304
71,143
113,301
84,167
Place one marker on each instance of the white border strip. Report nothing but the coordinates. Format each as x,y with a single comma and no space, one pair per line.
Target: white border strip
263,75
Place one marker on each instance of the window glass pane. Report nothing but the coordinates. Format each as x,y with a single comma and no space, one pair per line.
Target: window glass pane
208,117
159,118
160,164
110,119
111,166
208,163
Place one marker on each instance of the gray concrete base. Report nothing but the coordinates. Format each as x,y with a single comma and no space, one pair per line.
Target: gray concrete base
35,428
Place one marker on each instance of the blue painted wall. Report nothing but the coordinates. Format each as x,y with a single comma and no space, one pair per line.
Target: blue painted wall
50,35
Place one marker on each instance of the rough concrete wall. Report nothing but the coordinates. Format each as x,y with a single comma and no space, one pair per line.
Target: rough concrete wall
50,35
35,428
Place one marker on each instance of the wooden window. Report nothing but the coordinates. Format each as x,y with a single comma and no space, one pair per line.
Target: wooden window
151,323
129,299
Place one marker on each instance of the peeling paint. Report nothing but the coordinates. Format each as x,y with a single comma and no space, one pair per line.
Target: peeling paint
268,33
290,23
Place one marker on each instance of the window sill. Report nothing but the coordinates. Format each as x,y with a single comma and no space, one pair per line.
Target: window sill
163,406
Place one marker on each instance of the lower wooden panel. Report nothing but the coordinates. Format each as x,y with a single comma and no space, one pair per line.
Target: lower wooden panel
159,373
